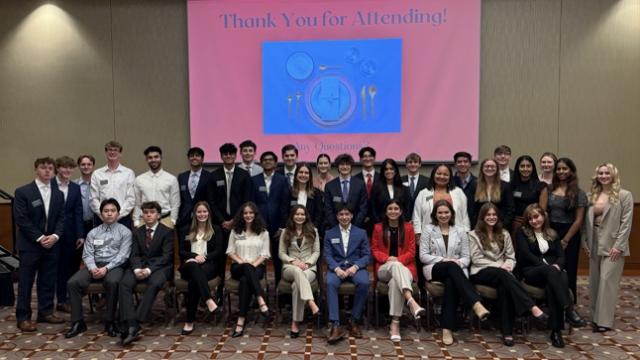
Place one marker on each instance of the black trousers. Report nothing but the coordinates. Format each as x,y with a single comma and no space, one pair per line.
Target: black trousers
79,283
221,265
556,291
128,311
571,255
249,277
456,286
277,263
512,297
44,263
68,264
198,276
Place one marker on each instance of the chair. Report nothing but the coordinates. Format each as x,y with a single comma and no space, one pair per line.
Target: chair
182,288
538,295
434,290
169,296
382,289
348,288
284,287
490,293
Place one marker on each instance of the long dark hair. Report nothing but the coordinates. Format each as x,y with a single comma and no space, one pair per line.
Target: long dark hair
431,184
397,181
572,180
308,187
482,230
308,230
239,225
517,177
385,224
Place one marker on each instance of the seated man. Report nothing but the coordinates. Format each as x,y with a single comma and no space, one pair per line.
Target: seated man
347,252
151,262
106,250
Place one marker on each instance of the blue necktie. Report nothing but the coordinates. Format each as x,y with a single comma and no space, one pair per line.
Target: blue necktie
345,190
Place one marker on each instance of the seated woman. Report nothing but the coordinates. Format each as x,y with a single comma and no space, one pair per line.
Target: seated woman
299,251
199,252
394,250
444,250
249,249
541,260
492,263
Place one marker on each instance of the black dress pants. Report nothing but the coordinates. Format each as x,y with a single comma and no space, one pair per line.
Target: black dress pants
198,276
571,255
249,278
556,291
68,264
128,311
456,286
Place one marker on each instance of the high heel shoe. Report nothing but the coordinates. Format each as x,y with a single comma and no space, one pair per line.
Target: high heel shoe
266,314
481,312
294,334
543,318
237,333
599,329
419,311
395,337
187,332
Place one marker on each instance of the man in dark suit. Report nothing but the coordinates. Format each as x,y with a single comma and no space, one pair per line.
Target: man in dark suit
289,159
345,189
414,181
347,253
370,177
463,178
271,194
193,189
38,210
73,233
151,261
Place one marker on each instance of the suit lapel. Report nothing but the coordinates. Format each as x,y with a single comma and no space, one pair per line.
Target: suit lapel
440,242
607,207
351,244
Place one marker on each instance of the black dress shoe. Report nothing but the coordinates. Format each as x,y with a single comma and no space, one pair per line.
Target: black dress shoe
556,339
574,319
543,318
237,333
77,328
132,335
508,341
294,334
111,329
599,329
187,332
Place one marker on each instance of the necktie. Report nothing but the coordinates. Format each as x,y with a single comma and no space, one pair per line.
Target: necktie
229,178
249,170
193,184
369,184
345,190
148,238
412,185
290,176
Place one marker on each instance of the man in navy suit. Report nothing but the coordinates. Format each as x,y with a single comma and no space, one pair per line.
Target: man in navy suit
463,178
193,189
271,194
73,235
345,189
414,181
38,209
347,252
289,159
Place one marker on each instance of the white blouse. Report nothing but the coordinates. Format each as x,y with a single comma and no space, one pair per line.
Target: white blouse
543,244
199,247
302,198
249,247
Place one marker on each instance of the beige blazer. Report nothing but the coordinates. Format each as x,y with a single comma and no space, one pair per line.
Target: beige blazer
615,227
308,253
481,258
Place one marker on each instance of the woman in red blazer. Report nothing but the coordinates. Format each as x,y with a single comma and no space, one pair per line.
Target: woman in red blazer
394,250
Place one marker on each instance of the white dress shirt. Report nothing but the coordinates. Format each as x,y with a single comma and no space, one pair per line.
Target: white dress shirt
290,174
117,184
253,169
543,244
267,182
64,187
45,192
345,237
302,198
161,187
505,175
390,189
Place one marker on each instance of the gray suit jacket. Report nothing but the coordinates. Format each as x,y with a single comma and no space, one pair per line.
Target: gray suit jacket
432,249
615,227
307,253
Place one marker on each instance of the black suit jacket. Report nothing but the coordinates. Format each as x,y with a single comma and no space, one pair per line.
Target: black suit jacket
217,192
506,205
215,248
159,256
30,217
315,208
529,254
273,207
186,201
420,184
380,196
357,200
73,223
466,189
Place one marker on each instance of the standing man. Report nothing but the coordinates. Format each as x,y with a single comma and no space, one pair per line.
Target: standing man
414,181
106,251
73,234
463,178
151,262
193,188
370,177
248,153
159,186
113,180
86,164
502,155
38,210
345,189
289,158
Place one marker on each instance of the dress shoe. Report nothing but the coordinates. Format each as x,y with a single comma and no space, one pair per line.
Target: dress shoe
65,308
354,330
27,326
599,329
447,337
187,332
556,339
238,333
294,334
133,333
481,312
574,319
335,335
507,341
51,319
111,329
543,318
77,328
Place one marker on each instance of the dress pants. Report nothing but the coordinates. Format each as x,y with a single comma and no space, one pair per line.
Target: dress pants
79,283
221,265
456,285
68,264
300,288
128,312
571,254
249,278
44,263
512,297
198,276
277,263
556,291
399,279
361,281
604,284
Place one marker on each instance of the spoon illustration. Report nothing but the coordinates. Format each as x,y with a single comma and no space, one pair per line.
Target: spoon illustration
373,90
322,67
289,100
298,96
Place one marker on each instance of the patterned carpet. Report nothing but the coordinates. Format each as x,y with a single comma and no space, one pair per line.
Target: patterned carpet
209,341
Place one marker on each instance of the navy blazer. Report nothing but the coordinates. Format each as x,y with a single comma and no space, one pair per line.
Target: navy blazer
274,207
29,215
159,256
217,192
73,222
467,189
357,200
422,183
186,201
315,208
506,205
358,250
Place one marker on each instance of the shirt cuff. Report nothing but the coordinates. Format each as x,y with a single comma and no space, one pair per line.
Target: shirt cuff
40,239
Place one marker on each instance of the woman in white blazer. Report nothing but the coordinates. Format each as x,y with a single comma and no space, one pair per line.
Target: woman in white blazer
444,251
607,226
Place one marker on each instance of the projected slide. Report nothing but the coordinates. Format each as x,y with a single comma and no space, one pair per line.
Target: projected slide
332,76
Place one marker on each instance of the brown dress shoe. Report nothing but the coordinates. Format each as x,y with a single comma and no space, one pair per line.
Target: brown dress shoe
27,326
65,308
51,319
336,334
354,330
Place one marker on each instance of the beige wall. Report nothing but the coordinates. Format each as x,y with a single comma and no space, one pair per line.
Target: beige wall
555,75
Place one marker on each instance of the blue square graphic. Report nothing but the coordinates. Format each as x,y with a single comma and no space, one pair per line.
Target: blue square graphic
331,86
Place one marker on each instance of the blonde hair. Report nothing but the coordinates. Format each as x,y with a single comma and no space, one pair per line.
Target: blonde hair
481,189
596,187
193,230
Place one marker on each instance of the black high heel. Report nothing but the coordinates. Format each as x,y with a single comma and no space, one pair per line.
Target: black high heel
237,333
294,334
187,332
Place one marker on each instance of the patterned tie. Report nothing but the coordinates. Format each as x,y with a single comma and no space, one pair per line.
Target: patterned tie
345,190
148,238
193,184
412,185
369,184
290,176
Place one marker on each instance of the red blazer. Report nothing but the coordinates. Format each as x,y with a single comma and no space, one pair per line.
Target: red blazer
406,253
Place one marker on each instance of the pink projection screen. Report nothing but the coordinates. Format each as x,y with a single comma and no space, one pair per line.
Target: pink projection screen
332,76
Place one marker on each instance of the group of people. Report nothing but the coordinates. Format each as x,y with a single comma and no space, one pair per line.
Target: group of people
501,229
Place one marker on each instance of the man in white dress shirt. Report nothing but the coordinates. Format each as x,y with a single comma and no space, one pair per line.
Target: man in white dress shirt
248,154
502,156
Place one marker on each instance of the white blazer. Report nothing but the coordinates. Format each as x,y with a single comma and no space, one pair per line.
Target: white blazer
424,206
433,251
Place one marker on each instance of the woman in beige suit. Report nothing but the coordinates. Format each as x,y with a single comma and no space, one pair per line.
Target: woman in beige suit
606,240
299,252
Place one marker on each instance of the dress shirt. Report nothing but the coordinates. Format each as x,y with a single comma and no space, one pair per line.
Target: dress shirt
345,191
110,244
464,181
413,182
199,246
161,187
117,184
366,173
267,182
345,237
505,175
85,192
249,247
253,168
390,189
543,244
302,198
194,179
228,174
64,187
45,192
290,174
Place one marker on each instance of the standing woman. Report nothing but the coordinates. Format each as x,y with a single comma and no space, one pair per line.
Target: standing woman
394,250
490,189
303,193
299,252
565,203
390,187
249,249
492,263
444,251
606,238
201,249
525,188
547,165
541,261
323,163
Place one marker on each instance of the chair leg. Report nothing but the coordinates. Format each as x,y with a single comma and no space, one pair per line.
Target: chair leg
377,308
91,303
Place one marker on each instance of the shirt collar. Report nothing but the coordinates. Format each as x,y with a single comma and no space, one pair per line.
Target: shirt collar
40,184
348,229
62,183
80,181
198,173
157,174
343,179
118,169
153,228
365,173
233,169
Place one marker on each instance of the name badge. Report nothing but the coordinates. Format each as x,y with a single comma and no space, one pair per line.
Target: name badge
183,187
97,242
517,194
337,199
104,182
36,203
293,202
262,189
428,198
220,183
405,184
335,241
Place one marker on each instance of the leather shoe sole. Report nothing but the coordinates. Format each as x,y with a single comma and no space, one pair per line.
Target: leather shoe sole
27,326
